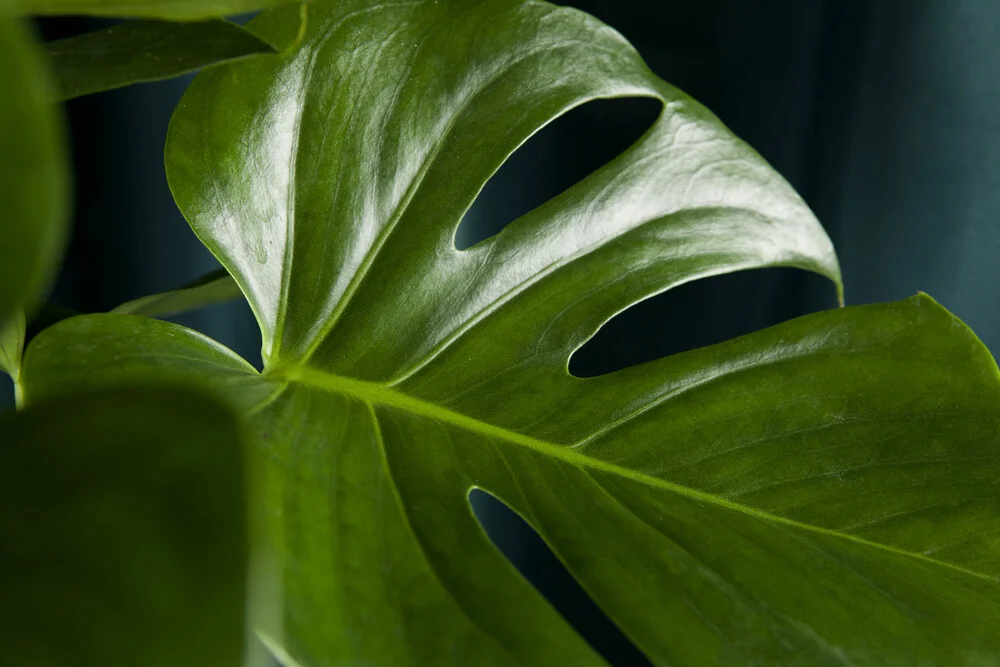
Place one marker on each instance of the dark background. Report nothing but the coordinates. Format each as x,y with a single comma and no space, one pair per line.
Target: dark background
882,114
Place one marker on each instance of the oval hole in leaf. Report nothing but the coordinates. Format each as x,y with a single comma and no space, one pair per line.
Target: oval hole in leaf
558,156
700,313
521,545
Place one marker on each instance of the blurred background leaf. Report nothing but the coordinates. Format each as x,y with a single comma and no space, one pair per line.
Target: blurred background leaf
155,9
213,288
34,187
142,51
122,532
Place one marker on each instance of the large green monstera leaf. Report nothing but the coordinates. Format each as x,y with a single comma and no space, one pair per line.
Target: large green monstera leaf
822,492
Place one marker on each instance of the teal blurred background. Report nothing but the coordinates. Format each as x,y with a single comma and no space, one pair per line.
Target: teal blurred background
882,114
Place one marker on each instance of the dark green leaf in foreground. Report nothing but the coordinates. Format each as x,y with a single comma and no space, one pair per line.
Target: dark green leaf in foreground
139,51
150,9
122,538
821,492
33,175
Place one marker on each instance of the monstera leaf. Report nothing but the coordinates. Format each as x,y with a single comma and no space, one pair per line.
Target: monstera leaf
822,492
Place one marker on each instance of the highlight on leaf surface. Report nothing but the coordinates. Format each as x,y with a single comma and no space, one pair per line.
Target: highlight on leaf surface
802,494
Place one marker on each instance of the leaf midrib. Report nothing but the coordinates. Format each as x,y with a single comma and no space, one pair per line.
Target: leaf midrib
374,394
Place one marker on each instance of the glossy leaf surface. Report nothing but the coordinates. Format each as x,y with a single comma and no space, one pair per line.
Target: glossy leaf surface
122,538
33,175
355,160
150,9
139,51
822,492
